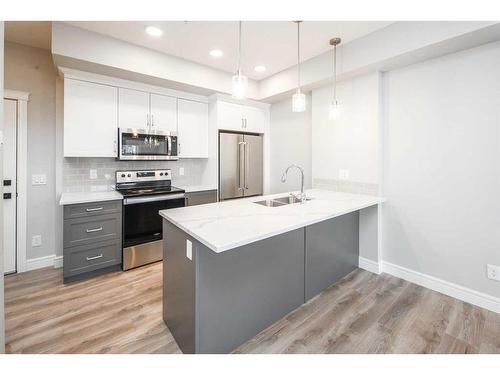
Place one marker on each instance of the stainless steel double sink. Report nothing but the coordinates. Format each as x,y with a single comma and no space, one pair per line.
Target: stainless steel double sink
281,201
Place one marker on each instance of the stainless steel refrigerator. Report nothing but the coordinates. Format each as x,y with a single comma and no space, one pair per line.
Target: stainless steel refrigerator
240,165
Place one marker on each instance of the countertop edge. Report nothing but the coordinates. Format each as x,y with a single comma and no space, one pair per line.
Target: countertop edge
221,249
113,196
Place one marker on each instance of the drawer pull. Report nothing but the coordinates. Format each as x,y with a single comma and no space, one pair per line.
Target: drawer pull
95,257
94,230
94,209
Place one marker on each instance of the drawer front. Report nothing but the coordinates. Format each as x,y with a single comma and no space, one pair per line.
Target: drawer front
86,230
201,197
91,209
87,258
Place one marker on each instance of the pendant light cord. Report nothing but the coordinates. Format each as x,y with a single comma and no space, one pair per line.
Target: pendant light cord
239,49
335,73
298,55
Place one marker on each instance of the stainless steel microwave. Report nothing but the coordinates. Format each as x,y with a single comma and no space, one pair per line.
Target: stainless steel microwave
143,144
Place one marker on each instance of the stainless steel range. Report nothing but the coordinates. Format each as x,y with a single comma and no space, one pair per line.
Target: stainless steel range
145,193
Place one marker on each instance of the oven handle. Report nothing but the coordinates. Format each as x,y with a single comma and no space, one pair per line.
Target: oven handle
154,198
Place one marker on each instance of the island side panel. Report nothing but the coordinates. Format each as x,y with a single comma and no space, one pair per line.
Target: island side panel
244,290
331,252
178,287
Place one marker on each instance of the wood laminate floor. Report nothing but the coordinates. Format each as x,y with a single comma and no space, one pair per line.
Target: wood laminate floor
121,313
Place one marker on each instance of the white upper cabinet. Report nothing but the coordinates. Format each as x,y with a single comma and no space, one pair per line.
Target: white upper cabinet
163,113
231,116
90,119
192,120
133,109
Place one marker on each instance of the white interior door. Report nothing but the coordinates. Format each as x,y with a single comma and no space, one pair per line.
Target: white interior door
9,185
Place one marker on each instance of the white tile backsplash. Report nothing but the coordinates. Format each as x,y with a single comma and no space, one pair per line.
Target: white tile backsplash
76,172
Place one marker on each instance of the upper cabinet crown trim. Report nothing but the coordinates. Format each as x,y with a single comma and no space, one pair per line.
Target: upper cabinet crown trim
133,85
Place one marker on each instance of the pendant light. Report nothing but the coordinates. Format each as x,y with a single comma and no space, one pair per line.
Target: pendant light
239,81
298,99
334,106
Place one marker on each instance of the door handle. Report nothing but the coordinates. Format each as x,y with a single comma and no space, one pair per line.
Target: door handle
94,230
95,257
247,164
240,187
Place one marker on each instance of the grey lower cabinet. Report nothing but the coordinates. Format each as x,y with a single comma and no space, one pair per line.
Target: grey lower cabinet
214,302
92,239
201,197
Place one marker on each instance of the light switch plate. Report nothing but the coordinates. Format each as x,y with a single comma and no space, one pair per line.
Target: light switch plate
39,179
189,250
93,174
181,171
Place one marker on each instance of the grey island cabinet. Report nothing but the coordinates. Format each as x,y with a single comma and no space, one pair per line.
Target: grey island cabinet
233,268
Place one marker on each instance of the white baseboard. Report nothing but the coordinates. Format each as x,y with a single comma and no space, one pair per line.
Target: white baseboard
369,265
42,262
445,287
58,261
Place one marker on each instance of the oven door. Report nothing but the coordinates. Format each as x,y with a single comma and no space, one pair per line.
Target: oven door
142,227
136,144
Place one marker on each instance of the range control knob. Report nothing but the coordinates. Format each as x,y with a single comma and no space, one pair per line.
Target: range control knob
129,175
123,175
161,174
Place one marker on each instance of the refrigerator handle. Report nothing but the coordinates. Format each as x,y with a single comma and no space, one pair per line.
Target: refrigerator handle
239,165
247,163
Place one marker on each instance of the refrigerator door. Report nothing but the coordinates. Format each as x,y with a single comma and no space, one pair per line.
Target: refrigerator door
231,166
253,161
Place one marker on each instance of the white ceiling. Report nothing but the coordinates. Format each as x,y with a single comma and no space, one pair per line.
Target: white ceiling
268,43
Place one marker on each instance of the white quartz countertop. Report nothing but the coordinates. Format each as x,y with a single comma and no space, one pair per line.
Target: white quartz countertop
89,197
226,225
193,189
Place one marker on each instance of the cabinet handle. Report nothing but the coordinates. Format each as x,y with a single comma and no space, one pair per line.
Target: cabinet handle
243,123
94,230
114,147
178,149
94,209
152,120
147,120
95,257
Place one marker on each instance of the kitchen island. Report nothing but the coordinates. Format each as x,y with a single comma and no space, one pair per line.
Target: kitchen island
233,268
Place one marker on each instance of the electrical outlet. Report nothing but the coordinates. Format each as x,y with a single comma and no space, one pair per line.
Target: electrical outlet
189,250
39,179
493,272
181,171
93,174
343,174
36,240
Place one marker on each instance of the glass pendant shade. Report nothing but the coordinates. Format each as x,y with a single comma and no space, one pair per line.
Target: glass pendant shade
334,110
239,86
298,101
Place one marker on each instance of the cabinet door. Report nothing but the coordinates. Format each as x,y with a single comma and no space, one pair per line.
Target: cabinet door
133,109
90,119
192,129
254,119
230,116
163,113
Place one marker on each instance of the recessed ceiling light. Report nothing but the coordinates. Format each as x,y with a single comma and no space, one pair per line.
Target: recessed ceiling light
154,31
216,53
260,68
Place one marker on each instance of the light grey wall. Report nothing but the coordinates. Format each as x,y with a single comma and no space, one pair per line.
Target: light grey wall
2,313
290,139
349,142
31,69
441,168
